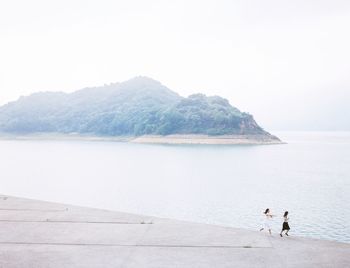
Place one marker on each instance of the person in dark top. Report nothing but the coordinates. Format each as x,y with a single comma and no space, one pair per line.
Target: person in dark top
285,226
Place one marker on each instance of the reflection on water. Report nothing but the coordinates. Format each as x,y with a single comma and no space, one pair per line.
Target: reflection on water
226,185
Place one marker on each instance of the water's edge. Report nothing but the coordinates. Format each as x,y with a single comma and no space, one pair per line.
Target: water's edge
156,139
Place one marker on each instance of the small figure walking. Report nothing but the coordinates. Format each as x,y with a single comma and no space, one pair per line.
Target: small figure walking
285,226
268,218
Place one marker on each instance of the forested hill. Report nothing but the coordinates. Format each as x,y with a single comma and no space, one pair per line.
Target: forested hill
136,107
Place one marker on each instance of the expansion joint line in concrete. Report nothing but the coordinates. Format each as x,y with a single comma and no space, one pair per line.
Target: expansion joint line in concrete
124,264
33,209
58,221
131,245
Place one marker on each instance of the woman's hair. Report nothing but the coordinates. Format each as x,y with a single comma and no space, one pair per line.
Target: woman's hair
285,214
267,210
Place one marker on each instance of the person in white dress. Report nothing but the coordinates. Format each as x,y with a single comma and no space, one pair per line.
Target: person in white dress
267,220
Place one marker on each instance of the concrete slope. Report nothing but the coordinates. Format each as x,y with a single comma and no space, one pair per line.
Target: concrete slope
42,234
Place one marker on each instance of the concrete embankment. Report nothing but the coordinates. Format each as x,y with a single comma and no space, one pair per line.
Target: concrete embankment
43,234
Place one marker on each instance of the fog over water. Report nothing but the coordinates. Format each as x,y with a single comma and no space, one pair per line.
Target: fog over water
226,185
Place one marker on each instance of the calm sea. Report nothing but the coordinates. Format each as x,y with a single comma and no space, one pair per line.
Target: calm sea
225,185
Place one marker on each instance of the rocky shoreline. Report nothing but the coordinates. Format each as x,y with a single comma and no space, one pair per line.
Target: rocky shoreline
157,139
205,139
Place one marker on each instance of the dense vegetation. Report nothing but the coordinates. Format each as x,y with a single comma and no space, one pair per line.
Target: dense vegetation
136,107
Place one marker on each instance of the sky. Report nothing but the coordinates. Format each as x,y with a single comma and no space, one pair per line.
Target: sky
286,62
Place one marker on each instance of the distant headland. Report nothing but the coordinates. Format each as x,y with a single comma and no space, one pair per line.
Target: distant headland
138,110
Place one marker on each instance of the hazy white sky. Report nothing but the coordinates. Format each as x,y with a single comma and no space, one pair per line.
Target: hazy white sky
286,62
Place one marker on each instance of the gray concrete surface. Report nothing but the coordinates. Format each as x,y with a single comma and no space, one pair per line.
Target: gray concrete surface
43,234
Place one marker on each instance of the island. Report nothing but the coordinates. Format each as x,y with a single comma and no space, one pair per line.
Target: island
140,110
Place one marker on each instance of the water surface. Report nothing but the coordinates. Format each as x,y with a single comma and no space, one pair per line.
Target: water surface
226,185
